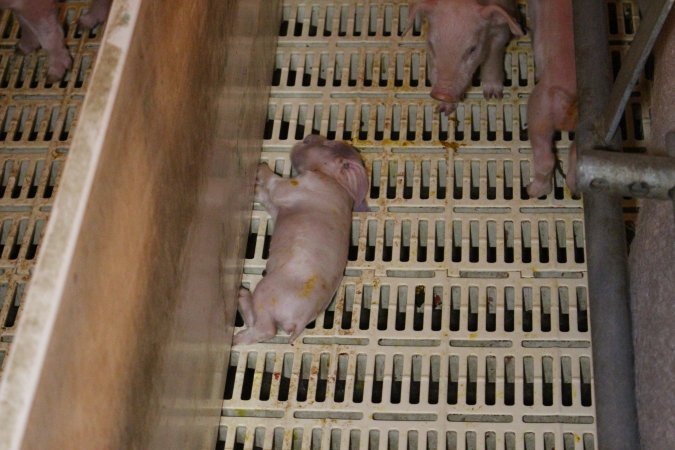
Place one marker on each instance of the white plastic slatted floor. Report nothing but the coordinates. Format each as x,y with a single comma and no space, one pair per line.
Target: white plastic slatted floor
462,321
37,122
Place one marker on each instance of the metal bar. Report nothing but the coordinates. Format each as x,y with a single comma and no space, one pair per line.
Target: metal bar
605,244
633,64
643,5
670,150
626,174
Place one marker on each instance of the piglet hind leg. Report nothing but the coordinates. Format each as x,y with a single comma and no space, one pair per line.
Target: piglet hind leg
541,130
259,327
42,24
252,335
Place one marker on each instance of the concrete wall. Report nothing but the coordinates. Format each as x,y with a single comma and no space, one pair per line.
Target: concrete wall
652,272
124,336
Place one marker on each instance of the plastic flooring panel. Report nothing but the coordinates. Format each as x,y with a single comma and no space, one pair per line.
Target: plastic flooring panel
37,122
463,318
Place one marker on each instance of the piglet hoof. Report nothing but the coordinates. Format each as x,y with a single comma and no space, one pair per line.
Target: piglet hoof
253,335
58,67
493,89
98,13
538,189
244,293
447,108
89,21
262,175
243,337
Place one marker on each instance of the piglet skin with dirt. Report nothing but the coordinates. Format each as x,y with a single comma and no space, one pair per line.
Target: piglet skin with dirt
308,254
40,28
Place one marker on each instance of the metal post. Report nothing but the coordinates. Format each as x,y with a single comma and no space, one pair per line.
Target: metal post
670,150
633,64
605,244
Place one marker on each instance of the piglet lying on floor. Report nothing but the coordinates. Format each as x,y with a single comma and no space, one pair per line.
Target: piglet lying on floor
308,252
40,28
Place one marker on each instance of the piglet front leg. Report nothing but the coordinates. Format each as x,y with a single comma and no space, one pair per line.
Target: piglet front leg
29,40
492,69
264,181
40,27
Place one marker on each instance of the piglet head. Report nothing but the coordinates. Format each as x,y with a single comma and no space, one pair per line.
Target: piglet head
458,42
336,159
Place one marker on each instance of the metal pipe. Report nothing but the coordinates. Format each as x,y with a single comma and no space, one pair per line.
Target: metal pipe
633,64
626,174
605,244
670,150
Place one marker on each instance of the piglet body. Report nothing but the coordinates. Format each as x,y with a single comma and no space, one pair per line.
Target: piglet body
463,35
308,252
552,104
40,28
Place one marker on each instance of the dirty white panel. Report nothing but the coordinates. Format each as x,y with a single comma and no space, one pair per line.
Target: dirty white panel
463,318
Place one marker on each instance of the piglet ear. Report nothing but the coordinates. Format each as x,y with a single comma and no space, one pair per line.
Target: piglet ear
498,16
416,7
353,177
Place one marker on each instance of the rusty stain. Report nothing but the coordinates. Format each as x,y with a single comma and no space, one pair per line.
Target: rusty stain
453,145
294,182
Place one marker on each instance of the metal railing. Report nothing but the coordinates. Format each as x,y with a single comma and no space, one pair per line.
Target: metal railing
604,175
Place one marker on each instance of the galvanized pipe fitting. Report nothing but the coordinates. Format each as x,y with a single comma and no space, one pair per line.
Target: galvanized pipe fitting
626,174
